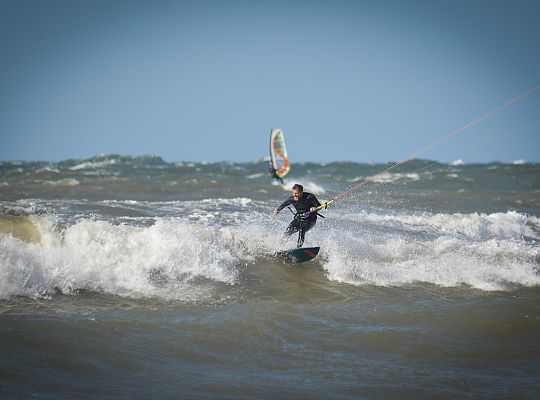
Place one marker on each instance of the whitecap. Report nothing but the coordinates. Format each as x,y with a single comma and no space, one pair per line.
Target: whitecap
93,165
388,177
64,182
48,168
485,251
116,259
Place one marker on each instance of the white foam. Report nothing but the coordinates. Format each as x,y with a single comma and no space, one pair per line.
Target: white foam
509,226
444,261
168,258
93,165
388,177
457,162
48,168
485,251
220,202
115,259
356,179
309,186
64,182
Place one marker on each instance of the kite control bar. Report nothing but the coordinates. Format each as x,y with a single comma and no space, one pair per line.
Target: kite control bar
319,208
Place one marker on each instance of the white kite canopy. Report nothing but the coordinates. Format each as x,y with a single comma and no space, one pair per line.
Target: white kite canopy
278,153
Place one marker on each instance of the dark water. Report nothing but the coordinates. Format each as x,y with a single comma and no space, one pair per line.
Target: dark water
135,278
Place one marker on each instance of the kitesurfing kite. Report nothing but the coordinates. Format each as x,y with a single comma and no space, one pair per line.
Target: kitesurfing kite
279,161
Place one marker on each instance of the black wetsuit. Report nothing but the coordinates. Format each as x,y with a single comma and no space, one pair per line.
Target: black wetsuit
274,175
301,223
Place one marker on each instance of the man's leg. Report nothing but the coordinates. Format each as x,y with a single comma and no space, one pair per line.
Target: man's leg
301,237
293,227
304,227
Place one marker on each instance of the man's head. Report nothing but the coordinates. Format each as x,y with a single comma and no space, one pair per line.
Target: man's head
297,191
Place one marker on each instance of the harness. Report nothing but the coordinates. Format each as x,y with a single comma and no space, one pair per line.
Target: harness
304,216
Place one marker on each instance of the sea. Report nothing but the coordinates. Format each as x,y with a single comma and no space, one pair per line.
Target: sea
138,278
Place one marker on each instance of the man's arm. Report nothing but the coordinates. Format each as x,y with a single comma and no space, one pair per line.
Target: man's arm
313,202
286,203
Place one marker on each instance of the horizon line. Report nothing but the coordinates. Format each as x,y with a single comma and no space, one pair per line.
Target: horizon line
456,162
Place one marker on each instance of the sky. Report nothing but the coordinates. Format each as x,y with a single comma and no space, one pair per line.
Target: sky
361,81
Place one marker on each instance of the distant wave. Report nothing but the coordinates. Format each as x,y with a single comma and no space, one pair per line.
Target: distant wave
104,160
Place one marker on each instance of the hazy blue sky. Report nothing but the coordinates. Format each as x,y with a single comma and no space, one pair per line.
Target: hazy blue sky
207,80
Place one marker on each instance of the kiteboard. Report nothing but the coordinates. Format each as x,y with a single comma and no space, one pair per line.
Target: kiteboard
299,254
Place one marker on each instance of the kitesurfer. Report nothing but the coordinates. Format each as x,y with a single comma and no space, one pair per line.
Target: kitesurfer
306,216
274,174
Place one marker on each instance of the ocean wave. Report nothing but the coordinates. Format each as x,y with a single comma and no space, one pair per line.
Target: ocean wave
510,225
185,257
48,168
484,251
108,160
92,165
164,260
308,184
63,182
153,161
396,261
389,177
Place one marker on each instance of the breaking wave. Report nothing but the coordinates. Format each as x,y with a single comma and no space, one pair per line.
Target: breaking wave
485,251
185,258
166,259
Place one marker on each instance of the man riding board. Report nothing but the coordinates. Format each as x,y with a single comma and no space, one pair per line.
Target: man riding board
306,216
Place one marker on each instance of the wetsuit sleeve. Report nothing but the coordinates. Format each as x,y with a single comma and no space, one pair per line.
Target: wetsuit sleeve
286,203
313,202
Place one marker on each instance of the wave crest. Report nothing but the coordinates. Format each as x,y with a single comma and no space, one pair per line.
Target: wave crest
163,260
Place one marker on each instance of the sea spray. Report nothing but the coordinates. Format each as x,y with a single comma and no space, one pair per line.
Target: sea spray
489,252
116,259
426,285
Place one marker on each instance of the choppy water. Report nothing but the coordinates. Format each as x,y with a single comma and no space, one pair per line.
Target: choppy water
127,277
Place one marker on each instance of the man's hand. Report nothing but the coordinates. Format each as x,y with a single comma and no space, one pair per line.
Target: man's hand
312,208
275,212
